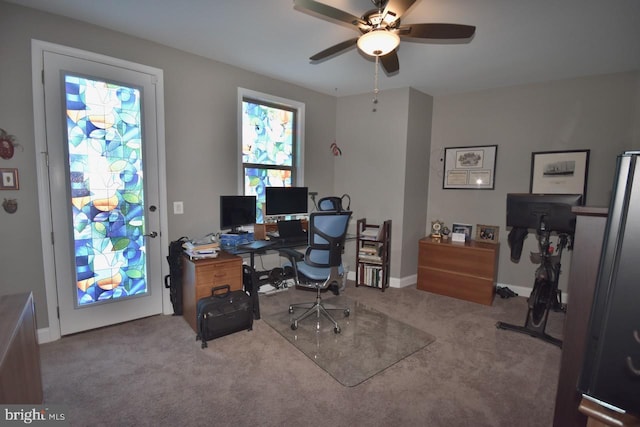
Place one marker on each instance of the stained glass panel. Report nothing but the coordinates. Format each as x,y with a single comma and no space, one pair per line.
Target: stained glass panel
267,134
104,137
255,181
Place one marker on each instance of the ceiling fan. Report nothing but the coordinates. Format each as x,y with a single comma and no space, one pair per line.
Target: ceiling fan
381,30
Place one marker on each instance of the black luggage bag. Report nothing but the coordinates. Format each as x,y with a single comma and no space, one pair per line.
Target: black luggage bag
173,280
223,313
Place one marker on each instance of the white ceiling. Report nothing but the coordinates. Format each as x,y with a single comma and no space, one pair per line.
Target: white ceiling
516,41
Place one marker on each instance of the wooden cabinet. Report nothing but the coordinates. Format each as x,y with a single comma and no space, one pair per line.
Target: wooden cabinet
590,229
20,375
466,271
199,276
373,246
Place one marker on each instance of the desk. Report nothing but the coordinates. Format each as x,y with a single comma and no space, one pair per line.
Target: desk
255,280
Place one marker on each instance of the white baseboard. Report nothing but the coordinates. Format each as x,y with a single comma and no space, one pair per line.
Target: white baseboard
394,282
524,291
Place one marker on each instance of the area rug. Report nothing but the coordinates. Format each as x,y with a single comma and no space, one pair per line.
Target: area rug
369,342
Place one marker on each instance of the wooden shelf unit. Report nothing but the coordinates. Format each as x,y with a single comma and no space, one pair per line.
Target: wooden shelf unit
373,252
467,271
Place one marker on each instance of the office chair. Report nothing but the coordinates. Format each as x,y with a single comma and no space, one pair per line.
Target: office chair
321,264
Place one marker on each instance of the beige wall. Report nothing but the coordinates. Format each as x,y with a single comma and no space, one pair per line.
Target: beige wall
599,113
200,117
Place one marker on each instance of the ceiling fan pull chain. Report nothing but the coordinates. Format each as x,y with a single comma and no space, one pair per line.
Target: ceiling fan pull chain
375,83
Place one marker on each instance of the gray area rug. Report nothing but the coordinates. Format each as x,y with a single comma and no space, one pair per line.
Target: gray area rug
369,342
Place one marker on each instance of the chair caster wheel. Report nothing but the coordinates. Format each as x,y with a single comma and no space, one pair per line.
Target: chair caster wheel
294,326
290,310
347,312
336,330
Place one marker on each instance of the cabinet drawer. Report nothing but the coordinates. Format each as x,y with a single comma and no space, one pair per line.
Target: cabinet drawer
219,274
462,259
469,288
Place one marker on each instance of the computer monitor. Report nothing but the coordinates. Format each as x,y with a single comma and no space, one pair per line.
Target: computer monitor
542,212
286,200
236,211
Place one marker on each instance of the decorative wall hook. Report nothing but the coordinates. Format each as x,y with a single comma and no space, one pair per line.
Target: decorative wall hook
10,205
335,149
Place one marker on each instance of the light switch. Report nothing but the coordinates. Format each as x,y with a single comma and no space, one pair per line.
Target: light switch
178,208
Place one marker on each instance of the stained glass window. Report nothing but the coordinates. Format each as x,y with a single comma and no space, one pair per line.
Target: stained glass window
104,138
269,148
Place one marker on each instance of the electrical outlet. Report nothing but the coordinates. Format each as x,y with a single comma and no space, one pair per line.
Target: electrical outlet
178,208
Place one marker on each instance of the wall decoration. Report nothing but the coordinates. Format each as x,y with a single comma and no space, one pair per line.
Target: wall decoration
9,179
10,205
487,233
471,168
7,144
560,172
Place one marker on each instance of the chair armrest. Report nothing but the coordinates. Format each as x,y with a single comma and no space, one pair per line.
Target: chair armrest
293,255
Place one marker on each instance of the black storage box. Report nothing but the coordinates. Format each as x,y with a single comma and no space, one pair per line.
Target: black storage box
223,313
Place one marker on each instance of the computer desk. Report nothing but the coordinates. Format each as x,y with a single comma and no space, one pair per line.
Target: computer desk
255,280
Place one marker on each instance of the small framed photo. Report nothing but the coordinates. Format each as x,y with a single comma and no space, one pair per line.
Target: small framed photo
487,233
462,228
9,179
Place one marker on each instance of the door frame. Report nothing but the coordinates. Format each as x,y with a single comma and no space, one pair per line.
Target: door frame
38,47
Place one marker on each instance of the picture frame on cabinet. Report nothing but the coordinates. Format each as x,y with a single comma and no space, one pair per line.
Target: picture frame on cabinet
487,233
465,229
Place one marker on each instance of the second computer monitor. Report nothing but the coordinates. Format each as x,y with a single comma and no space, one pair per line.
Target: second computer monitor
286,200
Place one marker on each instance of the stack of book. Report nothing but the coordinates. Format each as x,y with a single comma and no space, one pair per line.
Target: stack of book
201,249
370,254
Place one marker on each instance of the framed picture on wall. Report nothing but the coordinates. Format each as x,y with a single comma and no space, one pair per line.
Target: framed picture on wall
9,179
471,168
560,172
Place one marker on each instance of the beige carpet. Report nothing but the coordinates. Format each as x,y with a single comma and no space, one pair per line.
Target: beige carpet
369,341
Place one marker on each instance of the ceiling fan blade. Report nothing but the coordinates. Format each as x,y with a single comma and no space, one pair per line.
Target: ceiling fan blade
397,8
390,62
437,31
330,12
334,49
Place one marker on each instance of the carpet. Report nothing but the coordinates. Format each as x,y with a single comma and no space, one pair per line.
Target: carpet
369,343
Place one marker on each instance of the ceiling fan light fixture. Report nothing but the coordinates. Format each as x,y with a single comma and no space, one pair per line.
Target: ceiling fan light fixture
378,42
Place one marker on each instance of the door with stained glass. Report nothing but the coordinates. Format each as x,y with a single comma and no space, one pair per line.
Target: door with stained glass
102,148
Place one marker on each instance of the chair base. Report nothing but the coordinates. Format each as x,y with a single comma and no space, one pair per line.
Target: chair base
317,308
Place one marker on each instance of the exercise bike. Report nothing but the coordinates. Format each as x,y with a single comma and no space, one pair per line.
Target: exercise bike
545,295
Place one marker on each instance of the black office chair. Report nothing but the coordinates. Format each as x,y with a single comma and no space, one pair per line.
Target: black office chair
321,265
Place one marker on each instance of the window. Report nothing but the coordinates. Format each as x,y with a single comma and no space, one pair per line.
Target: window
270,144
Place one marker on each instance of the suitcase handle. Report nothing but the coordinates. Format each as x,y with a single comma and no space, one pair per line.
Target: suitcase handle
219,288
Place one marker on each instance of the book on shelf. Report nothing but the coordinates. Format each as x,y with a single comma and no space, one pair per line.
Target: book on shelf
369,250
371,233
370,258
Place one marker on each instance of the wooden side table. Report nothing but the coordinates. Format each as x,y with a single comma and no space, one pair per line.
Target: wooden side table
199,276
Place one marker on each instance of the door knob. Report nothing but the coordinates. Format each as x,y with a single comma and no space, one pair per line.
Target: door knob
153,235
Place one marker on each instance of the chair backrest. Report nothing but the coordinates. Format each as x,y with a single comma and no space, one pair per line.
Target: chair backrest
331,203
327,233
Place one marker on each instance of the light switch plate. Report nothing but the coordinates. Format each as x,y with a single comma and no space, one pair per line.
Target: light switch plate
178,208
